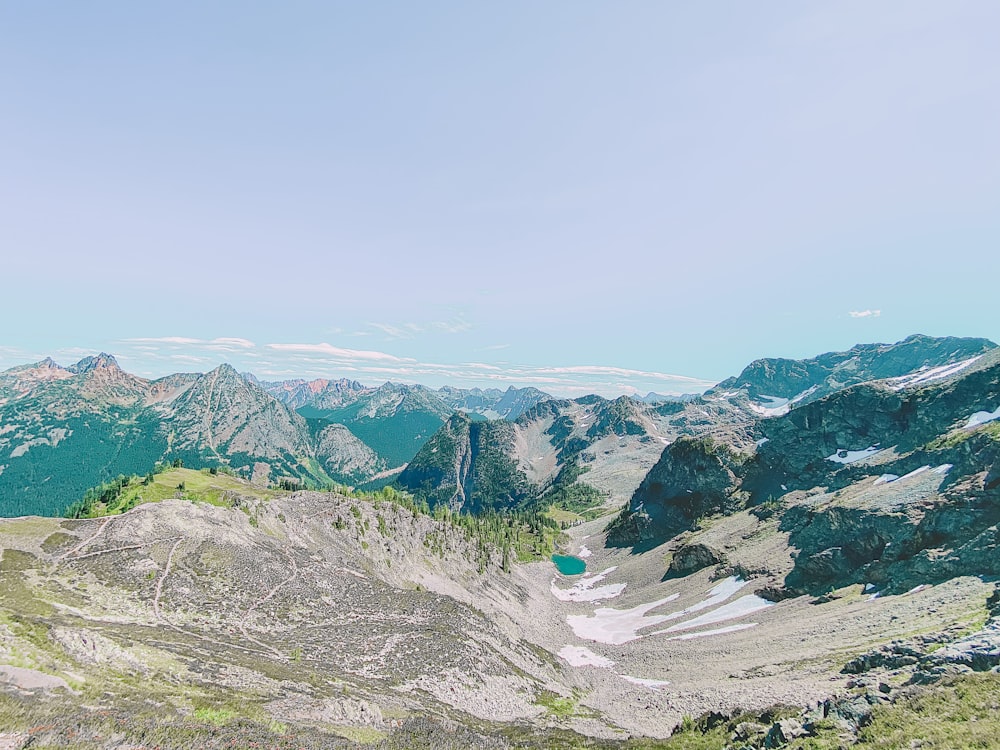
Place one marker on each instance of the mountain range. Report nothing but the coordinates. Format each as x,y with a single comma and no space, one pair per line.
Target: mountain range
817,573
63,430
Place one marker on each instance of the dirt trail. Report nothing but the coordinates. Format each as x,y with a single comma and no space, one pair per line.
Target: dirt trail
87,541
263,600
159,583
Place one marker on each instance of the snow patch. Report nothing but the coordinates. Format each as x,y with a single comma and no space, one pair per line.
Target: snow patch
925,375
716,595
886,478
770,406
915,472
844,456
717,631
805,394
775,406
584,552
617,626
982,417
745,605
584,591
942,469
578,656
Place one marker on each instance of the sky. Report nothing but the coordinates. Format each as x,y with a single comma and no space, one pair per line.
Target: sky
581,196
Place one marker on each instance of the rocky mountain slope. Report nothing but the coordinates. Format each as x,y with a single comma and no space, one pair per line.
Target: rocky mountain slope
592,449
316,619
320,393
882,483
395,420
469,466
584,452
774,385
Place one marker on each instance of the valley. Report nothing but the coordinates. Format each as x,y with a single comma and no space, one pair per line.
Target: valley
728,577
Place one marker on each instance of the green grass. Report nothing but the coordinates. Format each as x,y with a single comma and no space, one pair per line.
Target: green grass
187,484
361,735
960,713
556,705
217,716
961,435
562,516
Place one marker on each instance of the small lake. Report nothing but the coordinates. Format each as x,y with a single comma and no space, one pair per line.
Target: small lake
569,565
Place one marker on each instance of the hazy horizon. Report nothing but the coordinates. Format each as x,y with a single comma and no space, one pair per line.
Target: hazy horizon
291,361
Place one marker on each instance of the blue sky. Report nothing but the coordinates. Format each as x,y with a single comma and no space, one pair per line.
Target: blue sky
576,195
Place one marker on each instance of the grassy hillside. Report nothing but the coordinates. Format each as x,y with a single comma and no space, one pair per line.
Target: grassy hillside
124,493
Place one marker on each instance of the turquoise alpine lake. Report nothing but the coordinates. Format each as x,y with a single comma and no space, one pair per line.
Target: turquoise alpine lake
569,565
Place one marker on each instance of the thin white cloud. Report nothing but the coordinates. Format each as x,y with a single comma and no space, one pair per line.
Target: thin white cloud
865,313
336,352
409,330
241,343
232,342
453,326
622,373
175,340
405,331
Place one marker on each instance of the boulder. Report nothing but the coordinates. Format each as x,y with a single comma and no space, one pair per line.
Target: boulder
693,557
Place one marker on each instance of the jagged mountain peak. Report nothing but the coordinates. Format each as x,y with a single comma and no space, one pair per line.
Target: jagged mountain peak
100,379
226,370
102,361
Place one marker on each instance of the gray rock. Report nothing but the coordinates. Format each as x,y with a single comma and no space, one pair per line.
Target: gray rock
783,732
693,557
747,730
979,652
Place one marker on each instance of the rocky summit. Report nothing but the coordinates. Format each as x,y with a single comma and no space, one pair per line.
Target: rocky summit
804,556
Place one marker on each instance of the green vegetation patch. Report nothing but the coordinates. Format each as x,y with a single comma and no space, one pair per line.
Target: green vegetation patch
960,713
556,705
203,486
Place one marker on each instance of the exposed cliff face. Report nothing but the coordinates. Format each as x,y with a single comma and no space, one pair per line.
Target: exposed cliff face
694,478
468,466
921,529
